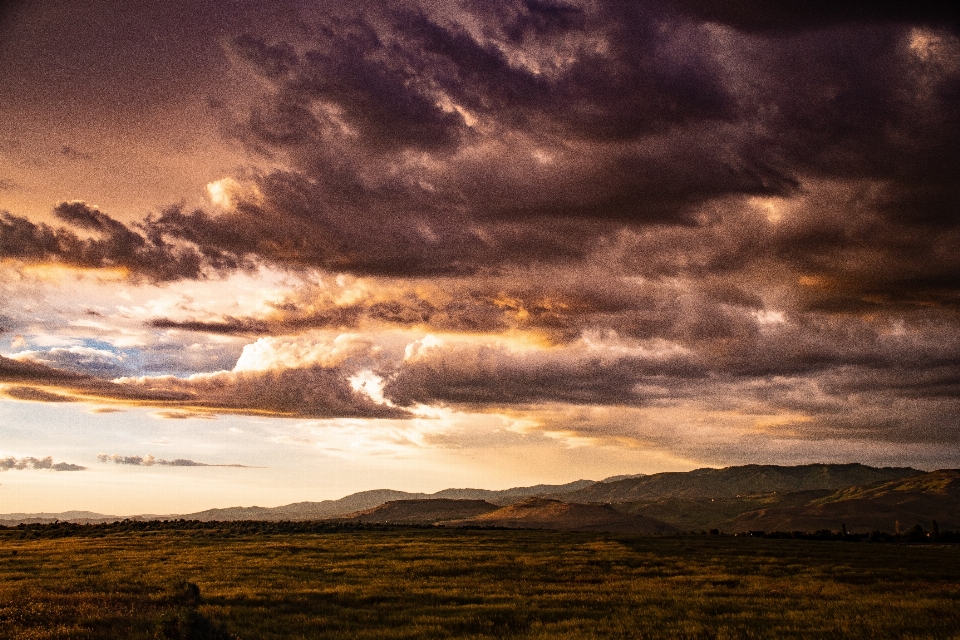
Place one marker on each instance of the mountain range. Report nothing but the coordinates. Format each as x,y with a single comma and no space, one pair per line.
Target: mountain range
742,498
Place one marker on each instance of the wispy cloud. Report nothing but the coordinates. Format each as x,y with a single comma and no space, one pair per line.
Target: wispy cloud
11,463
182,415
148,460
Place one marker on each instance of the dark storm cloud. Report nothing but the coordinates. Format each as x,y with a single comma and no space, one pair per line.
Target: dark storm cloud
450,379
747,207
428,141
828,375
35,381
114,245
554,303
227,326
517,133
467,307
306,392
584,373
791,15
420,147
30,372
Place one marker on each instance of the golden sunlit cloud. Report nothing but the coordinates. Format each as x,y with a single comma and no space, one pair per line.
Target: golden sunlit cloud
226,192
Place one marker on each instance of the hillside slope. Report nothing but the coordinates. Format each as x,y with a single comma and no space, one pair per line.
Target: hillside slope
915,500
696,514
428,511
504,497
544,513
731,482
306,510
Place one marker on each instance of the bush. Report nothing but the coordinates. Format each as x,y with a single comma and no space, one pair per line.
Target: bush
182,621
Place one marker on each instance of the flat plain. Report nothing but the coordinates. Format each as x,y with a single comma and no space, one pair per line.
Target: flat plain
405,582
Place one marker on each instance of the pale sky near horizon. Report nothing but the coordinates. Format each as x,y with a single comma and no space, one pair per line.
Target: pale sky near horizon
259,253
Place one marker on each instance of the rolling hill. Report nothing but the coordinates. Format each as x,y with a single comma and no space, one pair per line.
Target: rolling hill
422,511
731,482
751,497
322,510
695,514
909,501
545,513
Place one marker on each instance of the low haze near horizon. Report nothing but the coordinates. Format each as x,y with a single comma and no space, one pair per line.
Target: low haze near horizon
260,253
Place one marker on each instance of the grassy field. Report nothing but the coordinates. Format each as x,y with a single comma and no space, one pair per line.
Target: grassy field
423,583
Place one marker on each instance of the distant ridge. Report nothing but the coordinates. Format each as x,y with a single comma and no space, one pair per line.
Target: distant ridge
625,476
730,482
305,510
671,497
322,510
78,517
509,496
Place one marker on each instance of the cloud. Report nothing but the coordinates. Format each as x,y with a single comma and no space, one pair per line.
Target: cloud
565,135
667,206
228,326
482,372
10,463
81,359
363,165
421,141
30,372
65,466
787,16
182,415
34,395
74,154
148,461
114,245
303,392
292,384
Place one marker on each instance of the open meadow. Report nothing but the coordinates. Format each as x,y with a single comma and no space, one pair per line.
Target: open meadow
435,583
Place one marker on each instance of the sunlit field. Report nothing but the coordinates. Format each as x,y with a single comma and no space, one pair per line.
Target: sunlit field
428,583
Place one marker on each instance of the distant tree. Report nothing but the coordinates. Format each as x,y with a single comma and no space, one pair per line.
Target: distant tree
916,534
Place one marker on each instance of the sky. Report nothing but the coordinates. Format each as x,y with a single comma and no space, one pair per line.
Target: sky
260,253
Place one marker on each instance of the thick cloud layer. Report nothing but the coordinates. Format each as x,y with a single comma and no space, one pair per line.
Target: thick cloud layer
420,143
539,205
306,391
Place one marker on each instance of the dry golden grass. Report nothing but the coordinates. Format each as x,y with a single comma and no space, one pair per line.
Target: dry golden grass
422,583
